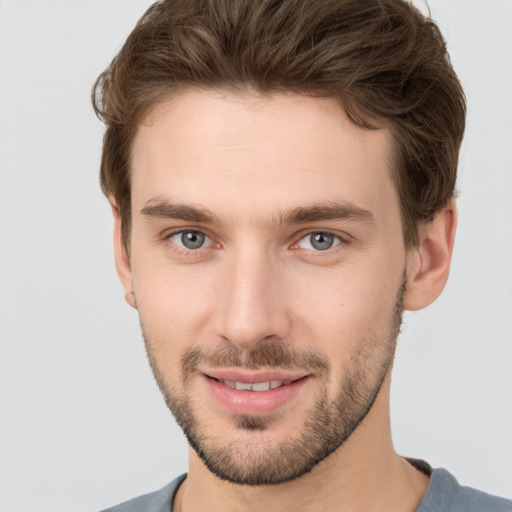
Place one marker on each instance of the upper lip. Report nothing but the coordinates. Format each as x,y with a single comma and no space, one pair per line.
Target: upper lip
238,375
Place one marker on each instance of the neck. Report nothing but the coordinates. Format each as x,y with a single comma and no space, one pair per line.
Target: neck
364,474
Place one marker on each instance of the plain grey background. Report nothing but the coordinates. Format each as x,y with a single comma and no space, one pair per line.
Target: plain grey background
82,424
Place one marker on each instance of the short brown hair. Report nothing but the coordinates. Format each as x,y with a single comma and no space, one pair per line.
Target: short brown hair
384,60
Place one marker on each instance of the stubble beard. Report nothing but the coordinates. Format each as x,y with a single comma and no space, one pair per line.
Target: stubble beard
328,423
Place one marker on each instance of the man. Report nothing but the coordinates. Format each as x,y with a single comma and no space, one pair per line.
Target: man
282,176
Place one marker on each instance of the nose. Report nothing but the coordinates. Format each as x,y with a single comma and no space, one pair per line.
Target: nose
252,301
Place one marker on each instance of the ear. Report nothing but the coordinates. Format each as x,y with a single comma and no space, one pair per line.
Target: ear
122,260
428,264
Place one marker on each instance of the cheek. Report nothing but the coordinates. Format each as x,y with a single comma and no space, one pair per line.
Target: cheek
173,304
340,311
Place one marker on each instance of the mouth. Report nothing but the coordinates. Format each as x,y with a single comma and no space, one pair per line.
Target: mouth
254,393
255,386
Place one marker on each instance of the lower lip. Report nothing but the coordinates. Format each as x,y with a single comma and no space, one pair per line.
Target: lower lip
254,403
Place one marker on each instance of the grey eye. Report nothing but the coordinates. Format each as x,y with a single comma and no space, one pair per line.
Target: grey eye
189,239
319,241
192,239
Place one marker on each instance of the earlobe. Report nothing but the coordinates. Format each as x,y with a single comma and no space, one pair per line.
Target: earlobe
122,260
428,264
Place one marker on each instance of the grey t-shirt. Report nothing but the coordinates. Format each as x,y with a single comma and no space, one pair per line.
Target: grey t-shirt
444,494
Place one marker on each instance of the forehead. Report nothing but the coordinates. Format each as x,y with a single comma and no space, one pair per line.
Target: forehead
259,154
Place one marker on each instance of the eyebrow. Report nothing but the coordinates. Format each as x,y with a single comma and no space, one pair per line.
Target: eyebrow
161,208
333,210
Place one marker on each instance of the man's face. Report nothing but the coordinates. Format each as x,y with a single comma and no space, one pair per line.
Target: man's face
268,269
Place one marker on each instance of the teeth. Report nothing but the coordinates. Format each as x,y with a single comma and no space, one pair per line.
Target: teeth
243,386
261,386
255,386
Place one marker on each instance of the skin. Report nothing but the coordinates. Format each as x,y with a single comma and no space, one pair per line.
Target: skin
248,160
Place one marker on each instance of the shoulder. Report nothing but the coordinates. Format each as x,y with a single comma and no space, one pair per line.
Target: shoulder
445,494
158,501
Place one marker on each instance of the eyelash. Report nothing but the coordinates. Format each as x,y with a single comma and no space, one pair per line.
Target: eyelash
324,234
183,251
200,251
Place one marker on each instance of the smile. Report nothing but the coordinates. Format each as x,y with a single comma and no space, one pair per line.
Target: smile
254,393
255,386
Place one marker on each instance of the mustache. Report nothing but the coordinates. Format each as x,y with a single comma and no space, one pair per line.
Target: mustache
273,354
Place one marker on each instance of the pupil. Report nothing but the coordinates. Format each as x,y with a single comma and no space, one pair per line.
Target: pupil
192,239
322,241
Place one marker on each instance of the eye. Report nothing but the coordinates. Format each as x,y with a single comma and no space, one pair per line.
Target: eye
190,239
319,241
